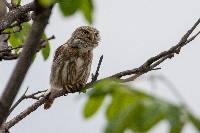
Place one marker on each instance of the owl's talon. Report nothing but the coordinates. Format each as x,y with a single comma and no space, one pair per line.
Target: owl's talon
68,88
79,87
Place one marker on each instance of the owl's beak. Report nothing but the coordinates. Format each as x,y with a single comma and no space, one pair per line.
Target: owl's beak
92,37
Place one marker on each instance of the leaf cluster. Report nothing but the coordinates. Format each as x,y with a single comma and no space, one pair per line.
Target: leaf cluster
132,109
69,7
17,38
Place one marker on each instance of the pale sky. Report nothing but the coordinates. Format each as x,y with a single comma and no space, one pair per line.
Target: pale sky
131,32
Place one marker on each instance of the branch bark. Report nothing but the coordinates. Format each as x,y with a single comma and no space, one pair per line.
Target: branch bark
25,59
149,65
2,8
3,38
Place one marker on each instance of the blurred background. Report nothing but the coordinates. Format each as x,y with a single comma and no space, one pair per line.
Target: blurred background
131,32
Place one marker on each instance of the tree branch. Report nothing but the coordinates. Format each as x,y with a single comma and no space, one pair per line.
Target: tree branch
7,4
153,62
149,65
7,55
24,61
24,96
14,14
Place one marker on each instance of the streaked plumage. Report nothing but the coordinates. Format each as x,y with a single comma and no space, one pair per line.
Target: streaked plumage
72,62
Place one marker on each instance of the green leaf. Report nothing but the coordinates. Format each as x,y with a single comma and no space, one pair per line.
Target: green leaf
96,97
92,105
19,38
46,3
176,118
151,115
119,102
46,50
69,7
15,2
176,128
122,96
124,118
102,87
25,30
15,40
87,10
195,121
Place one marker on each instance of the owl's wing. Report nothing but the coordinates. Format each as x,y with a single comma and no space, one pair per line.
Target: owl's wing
61,56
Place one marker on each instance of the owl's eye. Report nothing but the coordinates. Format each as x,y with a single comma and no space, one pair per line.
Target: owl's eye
85,45
96,34
86,32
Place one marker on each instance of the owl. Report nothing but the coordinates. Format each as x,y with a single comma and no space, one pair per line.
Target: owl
72,62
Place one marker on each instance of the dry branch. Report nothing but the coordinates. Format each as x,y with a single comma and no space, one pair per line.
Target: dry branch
7,4
95,76
24,96
153,62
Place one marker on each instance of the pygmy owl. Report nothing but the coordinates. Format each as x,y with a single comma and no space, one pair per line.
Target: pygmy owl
72,62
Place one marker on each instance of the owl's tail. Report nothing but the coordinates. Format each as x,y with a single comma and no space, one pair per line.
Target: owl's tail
50,95
48,103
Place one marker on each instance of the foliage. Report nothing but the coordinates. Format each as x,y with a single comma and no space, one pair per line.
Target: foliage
46,3
17,39
132,109
69,7
46,50
15,2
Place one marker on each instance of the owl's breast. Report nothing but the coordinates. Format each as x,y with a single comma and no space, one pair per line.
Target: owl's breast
79,63
73,70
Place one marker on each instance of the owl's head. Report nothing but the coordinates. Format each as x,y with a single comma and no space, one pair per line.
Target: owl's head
85,38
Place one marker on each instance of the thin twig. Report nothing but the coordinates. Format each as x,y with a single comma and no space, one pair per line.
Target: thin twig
9,57
7,4
193,37
24,96
10,48
33,96
11,32
95,76
18,101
